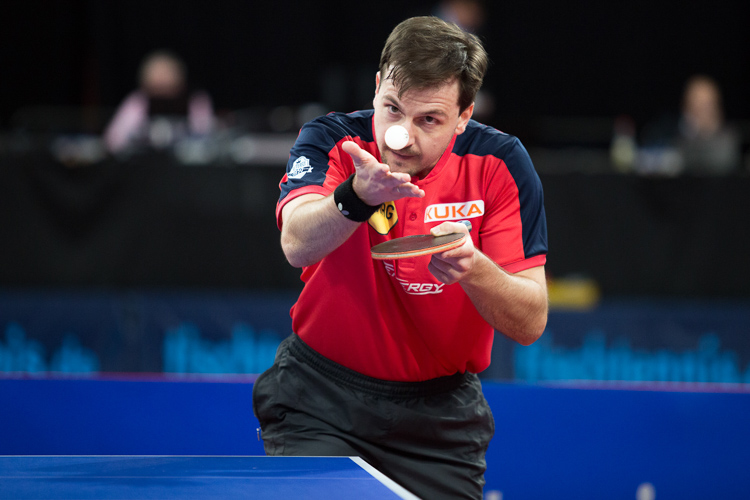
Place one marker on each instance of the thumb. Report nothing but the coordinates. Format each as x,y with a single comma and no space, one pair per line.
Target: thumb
463,226
359,155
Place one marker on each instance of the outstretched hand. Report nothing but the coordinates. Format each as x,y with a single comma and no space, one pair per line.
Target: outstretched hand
374,182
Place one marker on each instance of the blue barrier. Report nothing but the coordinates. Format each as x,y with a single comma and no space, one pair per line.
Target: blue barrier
237,333
605,442
592,440
127,416
141,332
550,442
635,340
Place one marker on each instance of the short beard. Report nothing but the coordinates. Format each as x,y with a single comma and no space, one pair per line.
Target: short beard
408,169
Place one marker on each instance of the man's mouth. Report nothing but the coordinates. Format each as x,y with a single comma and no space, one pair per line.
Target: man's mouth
402,155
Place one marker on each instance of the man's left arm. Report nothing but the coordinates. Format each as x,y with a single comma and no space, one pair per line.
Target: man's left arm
514,304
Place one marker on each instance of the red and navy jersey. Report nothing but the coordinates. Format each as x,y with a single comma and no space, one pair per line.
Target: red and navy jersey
392,319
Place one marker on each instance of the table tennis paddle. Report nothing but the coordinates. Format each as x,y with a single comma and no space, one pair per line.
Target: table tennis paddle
417,245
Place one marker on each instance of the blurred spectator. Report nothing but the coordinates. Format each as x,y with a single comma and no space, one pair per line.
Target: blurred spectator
698,141
467,14
162,110
707,144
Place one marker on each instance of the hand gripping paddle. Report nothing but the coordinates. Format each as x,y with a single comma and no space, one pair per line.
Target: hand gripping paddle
417,245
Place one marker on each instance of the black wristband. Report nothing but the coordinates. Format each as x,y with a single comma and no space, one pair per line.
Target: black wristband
349,204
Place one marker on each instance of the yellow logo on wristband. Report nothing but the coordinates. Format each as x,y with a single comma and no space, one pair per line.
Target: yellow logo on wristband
385,218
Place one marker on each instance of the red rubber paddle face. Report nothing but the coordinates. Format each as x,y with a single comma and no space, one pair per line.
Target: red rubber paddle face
415,246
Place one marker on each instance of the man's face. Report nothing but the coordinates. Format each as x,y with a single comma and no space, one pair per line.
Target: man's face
163,78
430,115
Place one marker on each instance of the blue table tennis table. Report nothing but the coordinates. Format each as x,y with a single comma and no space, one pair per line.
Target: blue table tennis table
103,477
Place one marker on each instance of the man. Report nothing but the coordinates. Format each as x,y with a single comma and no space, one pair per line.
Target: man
162,109
707,143
383,360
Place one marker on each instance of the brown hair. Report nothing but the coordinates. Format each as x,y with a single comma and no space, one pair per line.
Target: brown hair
423,52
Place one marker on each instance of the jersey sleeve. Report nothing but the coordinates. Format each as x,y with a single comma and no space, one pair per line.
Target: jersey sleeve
313,165
516,229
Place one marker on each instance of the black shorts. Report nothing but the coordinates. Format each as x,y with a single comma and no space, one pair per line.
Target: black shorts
430,437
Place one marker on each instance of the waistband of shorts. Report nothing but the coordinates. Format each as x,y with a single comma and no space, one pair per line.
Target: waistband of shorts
370,385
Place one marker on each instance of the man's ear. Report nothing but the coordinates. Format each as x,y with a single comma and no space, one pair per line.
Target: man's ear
463,119
377,82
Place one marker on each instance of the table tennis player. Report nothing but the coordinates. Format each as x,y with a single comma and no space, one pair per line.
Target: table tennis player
384,357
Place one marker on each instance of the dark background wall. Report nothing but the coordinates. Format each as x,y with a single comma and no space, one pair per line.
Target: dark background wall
123,224
152,222
549,58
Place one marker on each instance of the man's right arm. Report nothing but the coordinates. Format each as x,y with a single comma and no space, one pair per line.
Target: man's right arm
312,226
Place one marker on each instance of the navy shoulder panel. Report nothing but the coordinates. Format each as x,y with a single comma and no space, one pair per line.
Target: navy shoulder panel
482,140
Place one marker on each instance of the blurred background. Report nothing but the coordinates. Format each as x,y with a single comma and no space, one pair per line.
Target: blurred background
141,147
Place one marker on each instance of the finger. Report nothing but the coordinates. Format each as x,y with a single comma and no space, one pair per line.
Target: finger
359,155
439,264
446,271
401,177
409,190
457,260
463,226
440,274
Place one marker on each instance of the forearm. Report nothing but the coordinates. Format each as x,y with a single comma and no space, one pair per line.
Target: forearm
313,227
514,304
312,224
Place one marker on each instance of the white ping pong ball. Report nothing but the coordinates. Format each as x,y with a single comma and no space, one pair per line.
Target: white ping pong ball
396,137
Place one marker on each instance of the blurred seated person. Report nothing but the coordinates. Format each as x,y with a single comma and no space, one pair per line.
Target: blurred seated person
162,110
708,145
697,141
467,14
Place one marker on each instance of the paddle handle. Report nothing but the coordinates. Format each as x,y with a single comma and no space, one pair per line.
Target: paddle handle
466,223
